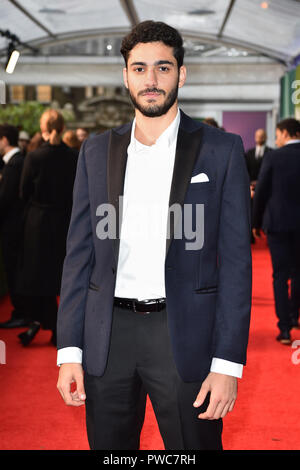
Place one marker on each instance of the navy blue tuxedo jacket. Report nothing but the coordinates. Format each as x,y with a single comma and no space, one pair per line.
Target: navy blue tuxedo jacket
276,203
208,291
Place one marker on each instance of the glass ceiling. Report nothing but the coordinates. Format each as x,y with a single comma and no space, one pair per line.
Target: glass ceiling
271,28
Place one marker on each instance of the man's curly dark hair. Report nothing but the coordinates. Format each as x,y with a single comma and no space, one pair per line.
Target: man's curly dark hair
153,31
291,125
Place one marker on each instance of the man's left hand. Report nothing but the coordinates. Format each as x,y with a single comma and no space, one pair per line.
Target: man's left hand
256,233
223,393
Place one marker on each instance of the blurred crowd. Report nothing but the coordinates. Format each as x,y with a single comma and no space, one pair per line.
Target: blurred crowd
36,184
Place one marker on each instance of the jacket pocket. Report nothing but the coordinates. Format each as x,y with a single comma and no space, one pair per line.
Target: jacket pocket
204,185
207,290
93,286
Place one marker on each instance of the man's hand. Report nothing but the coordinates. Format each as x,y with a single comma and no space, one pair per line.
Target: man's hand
68,374
256,233
223,393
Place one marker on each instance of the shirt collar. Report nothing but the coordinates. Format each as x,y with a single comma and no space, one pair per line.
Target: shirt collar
10,154
293,141
167,138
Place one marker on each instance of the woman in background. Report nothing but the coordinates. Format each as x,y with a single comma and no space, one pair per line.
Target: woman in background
46,188
71,140
35,142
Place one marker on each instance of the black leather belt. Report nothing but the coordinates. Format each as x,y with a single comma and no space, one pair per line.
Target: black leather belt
141,306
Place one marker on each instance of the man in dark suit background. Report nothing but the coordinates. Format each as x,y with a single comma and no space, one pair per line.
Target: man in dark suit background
11,213
254,156
276,209
153,314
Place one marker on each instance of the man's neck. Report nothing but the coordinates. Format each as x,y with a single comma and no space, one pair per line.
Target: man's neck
148,130
291,140
8,149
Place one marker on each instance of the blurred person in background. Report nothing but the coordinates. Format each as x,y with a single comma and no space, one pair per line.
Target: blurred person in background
11,211
35,142
254,156
23,142
81,134
71,140
46,189
276,210
211,122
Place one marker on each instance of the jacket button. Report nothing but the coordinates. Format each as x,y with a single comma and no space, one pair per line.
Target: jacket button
113,270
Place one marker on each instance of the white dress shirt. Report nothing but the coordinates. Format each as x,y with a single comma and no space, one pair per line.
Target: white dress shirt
259,151
147,185
143,235
10,154
293,141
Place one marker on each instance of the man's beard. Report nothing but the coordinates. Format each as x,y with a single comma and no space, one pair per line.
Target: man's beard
156,110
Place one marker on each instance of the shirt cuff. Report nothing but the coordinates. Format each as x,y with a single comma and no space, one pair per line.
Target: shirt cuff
69,355
222,366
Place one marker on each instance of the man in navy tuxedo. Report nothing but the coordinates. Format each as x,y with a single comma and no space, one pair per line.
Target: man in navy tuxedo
162,308
276,209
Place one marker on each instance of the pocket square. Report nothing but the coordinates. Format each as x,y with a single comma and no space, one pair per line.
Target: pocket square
200,178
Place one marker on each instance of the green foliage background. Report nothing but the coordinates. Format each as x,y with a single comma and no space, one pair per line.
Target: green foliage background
26,115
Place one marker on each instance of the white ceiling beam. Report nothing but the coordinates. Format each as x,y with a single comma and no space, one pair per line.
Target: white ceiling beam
17,5
130,11
226,18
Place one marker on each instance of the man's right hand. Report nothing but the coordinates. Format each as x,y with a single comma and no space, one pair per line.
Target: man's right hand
68,374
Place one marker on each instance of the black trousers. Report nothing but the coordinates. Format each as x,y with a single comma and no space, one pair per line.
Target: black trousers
43,309
285,254
10,242
140,362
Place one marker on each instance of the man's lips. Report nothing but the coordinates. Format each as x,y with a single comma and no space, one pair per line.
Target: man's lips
151,94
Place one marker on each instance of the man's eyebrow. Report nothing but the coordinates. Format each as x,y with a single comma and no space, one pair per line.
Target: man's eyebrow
158,62
161,62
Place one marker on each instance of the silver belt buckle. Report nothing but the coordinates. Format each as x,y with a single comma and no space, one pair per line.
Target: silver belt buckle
138,311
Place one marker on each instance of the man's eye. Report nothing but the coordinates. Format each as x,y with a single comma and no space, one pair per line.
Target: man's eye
163,68
139,69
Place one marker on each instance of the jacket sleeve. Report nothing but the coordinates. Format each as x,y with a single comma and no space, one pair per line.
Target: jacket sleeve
234,262
262,190
9,187
27,178
77,264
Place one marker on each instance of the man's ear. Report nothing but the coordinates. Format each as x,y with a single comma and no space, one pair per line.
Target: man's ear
5,141
125,78
182,76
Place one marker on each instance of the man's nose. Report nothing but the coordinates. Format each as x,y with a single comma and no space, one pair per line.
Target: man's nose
151,78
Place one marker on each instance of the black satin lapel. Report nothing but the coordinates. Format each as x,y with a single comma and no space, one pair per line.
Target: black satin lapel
117,159
187,150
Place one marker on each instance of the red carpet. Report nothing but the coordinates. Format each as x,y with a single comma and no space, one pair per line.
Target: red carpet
265,417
